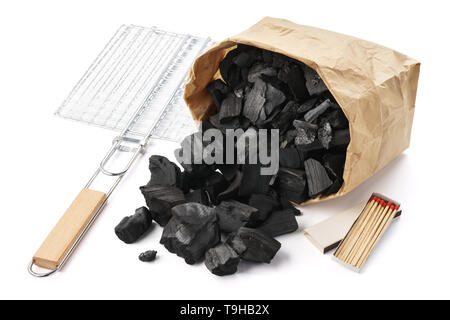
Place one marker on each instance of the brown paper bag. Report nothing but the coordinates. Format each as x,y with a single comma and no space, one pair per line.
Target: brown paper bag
375,86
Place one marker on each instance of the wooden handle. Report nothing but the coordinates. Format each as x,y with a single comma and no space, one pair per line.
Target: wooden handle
67,230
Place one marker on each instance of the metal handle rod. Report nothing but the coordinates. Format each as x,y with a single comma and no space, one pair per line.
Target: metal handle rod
111,151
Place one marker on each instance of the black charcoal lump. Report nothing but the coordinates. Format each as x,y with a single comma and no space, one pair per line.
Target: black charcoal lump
160,199
313,114
222,260
131,228
192,230
314,83
255,101
280,222
318,180
233,214
291,184
148,256
254,245
325,135
265,204
231,107
164,172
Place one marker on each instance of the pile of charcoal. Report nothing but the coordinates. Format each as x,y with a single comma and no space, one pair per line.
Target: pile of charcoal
222,213
264,89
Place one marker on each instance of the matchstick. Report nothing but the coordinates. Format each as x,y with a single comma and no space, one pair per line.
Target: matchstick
344,242
355,230
368,234
385,223
364,231
359,228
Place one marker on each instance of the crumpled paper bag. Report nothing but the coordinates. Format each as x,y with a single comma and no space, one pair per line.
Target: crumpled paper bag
374,85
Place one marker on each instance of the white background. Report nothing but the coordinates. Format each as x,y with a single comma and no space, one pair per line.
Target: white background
45,48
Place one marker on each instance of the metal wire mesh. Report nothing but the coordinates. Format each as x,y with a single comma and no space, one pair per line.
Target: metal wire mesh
136,84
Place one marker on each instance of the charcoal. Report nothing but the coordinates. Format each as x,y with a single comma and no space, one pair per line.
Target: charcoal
244,123
164,172
299,124
265,204
228,170
262,115
254,101
215,185
233,188
254,245
279,223
285,117
195,178
274,98
313,114
286,204
317,177
230,108
160,212
243,60
230,124
254,181
306,132
267,56
341,138
228,70
290,158
131,228
282,93
192,230
239,92
337,184
289,137
294,77
206,125
253,52
160,199
222,260
291,184
220,86
325,134
334,163
197,196
169,194
262,123
218,91
279,85
148,256
314,82
259,69
305,149
278,60
233,214
304,137
307,105
337,119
